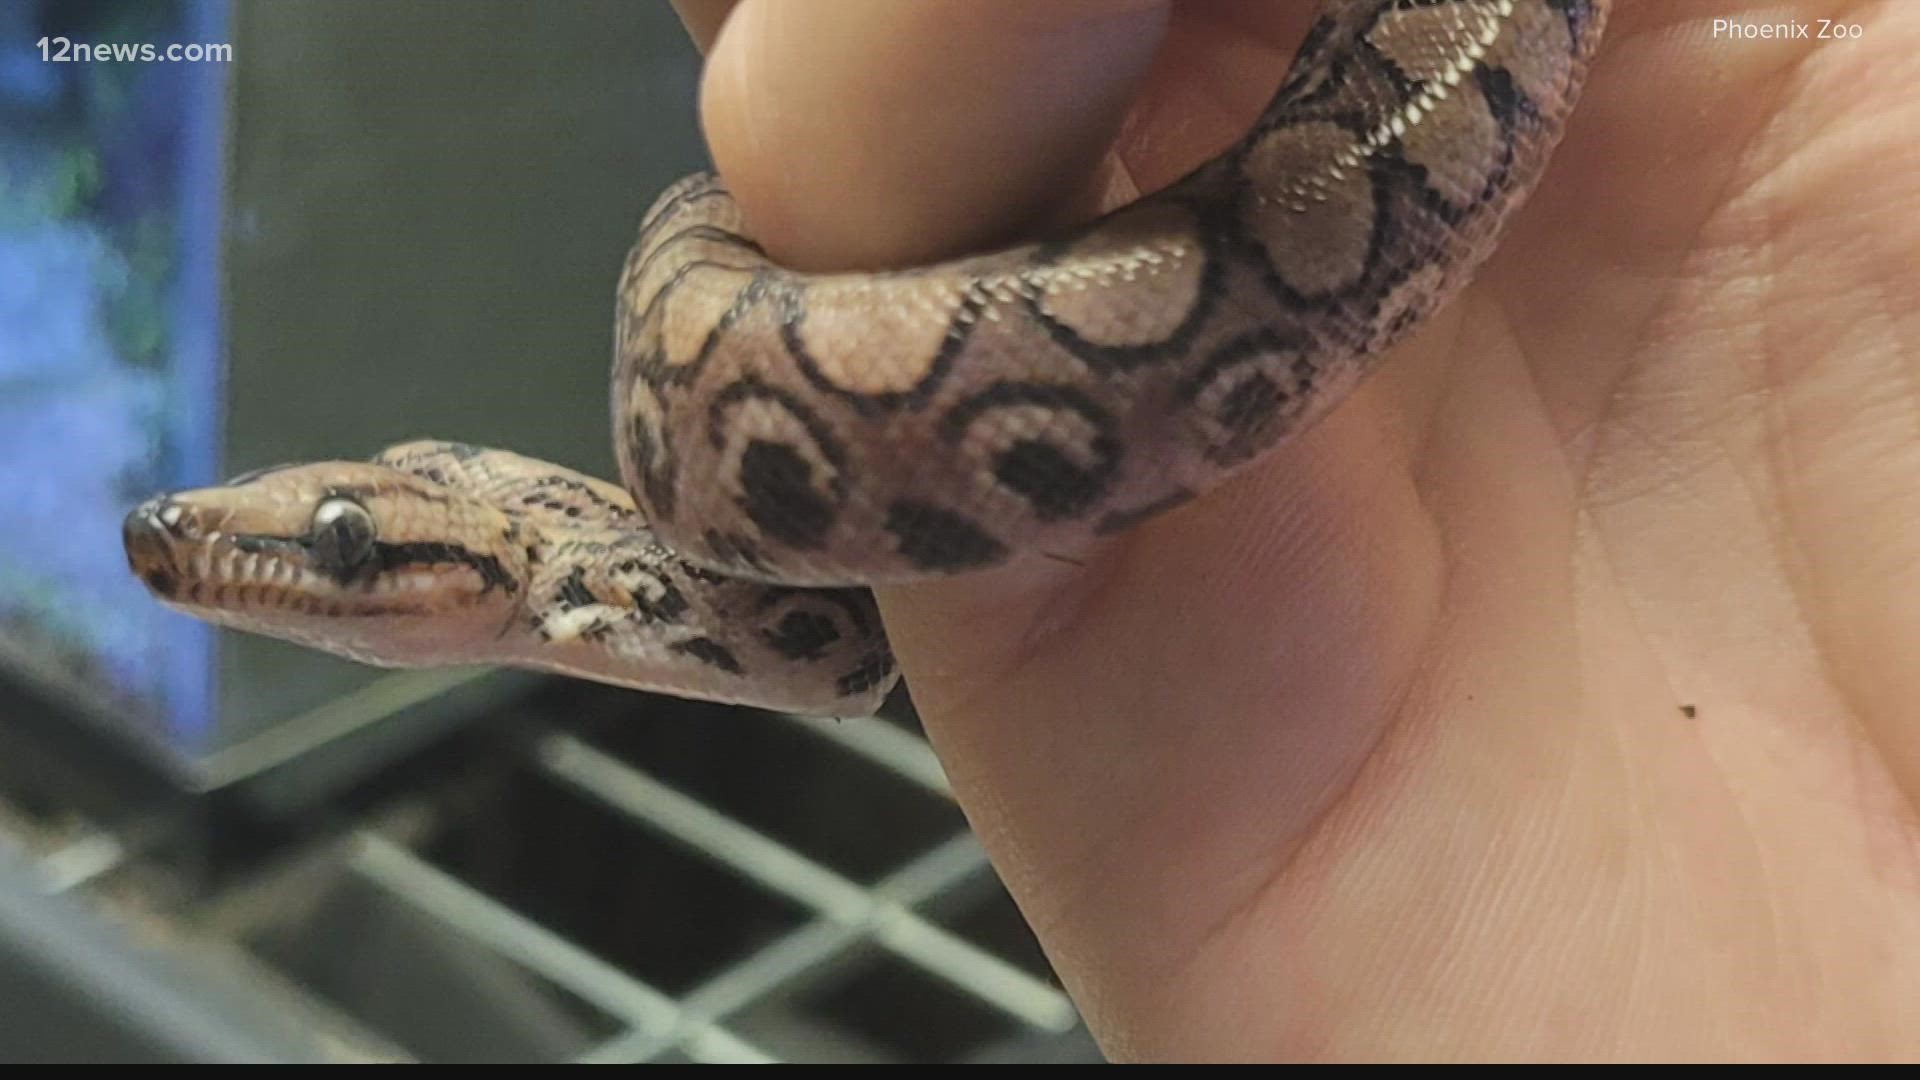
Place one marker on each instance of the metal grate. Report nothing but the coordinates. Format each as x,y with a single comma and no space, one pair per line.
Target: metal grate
845,914
360,919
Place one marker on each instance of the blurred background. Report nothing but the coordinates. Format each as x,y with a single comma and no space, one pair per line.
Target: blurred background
371,222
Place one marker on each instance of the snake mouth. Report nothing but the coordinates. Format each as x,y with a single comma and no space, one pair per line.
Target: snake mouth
188,557
149,535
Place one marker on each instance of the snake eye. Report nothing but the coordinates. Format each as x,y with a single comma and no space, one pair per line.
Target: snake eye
342,533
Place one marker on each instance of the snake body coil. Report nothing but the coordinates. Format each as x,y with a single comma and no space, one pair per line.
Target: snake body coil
786,440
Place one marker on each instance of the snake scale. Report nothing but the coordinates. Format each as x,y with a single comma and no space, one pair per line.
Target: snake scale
787,440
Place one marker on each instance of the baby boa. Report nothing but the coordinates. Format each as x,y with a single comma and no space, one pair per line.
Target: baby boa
786,440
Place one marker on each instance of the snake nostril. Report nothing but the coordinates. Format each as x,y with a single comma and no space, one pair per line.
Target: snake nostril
150,526
163,514
146,535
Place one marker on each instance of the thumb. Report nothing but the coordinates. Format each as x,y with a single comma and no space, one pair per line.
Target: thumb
869,134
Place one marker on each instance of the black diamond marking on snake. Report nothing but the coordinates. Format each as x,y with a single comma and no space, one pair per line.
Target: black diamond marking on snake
709,652
667,607
1053,483
933,538
802,635
573,592
777,495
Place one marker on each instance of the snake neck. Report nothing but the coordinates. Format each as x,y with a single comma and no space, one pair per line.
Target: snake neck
617,607
586,583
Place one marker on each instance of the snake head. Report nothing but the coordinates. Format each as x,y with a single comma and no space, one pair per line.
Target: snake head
357,559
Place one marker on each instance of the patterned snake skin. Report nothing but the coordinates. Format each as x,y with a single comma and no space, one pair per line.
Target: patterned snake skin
786,440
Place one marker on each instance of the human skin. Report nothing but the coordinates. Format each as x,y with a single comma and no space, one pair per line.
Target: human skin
1555,698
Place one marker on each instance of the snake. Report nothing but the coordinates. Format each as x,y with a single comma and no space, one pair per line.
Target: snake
787,441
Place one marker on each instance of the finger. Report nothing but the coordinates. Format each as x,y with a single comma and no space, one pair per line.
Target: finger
869,133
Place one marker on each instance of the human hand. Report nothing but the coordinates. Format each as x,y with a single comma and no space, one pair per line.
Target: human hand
1551,699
